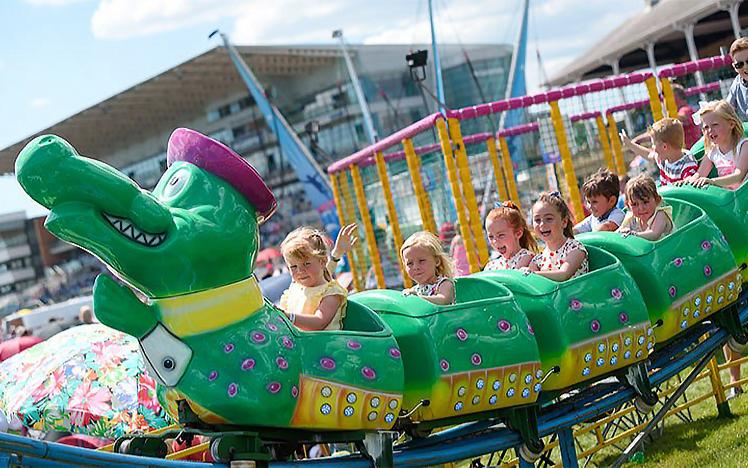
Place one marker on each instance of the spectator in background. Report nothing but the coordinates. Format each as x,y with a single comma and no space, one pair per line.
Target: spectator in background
85,315
691,131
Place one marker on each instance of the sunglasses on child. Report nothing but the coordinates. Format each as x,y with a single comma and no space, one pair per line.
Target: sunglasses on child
739,65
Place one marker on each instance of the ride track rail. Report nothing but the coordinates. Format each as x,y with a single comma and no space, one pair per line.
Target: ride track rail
458,443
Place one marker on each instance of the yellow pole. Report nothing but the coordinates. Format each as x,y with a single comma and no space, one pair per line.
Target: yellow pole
371,240
498,173
359,273
654,98
667,92
392,213
566,164
603,133
468,190
506,158
615,143
424,205
334,178
454,183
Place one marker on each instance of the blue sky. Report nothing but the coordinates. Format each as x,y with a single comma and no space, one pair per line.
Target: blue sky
62,56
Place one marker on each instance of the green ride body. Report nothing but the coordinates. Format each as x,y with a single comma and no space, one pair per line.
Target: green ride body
684,277
474,356
587,326
206,332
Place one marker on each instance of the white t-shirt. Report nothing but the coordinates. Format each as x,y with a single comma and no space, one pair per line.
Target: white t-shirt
591,223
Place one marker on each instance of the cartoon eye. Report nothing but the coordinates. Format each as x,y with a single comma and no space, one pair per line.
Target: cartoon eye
176,183
168,363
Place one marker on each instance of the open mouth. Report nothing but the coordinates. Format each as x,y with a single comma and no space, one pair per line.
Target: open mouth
127,228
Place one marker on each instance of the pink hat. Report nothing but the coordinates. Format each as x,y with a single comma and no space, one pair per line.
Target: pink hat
220,160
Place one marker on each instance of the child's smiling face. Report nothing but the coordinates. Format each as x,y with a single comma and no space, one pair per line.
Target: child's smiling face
716,128
503,237
643,209
548,222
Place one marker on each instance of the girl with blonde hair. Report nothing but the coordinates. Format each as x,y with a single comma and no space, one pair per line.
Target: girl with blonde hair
724,147
429,267
315,301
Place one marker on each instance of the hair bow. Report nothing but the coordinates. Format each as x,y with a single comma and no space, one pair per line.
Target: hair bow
696,116
555,194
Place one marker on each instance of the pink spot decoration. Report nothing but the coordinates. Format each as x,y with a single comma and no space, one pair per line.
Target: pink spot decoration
595,326
272,327
368,373
395,353
258,337
281,362
707,271
623,317
678,262
228,348
294,391
444,364
672,291
273,387
287,342
354,345
248,364
616,293
504,326
461,334
706,245
233,390
575,304
530,329
213,375
327,363
476,359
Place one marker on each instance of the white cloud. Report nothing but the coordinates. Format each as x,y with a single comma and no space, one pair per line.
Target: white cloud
120,19
39,102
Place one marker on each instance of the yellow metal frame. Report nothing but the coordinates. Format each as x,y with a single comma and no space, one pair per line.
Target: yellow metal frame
392,213
344,221
615,143
667,93
424,205
498,172
566,163
371,240
603,134
506,159
449,162
654,98
463,168
359,266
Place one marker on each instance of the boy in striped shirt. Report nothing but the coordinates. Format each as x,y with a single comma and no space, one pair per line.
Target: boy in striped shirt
674,162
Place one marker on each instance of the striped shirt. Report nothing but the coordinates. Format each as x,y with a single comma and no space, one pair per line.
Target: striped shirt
671,172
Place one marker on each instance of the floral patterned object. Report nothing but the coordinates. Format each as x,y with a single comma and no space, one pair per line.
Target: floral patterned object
87,380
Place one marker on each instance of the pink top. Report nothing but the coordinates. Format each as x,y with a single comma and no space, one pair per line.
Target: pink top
459,255
725,162
691,131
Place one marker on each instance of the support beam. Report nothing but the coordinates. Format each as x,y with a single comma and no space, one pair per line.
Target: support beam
616,67
733,8
693,53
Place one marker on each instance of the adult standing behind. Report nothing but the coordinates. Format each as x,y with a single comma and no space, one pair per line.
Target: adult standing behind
691,131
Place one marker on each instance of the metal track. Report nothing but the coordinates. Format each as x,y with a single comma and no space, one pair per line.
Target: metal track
458,443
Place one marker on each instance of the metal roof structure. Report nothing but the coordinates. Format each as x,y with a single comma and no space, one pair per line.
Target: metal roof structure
663,25
184,91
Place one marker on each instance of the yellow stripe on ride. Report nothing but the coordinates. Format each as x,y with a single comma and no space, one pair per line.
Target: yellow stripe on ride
205,311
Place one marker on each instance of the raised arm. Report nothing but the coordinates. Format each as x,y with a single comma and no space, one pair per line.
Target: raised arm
346,240
636,148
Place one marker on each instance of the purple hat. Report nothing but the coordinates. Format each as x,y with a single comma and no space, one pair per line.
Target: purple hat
220,160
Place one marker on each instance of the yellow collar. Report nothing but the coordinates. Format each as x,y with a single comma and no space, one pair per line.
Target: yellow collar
205,311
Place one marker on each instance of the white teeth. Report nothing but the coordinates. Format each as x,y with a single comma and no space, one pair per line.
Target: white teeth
126,227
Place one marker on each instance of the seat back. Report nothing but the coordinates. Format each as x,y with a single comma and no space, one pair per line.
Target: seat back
360,318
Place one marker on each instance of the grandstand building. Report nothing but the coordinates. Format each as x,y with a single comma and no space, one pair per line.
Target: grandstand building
311,87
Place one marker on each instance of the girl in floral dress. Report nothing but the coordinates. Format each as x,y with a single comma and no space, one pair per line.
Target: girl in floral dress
724,146
314,301
429,267
510,236
563,257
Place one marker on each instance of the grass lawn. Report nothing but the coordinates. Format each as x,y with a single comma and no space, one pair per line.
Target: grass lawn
708,441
